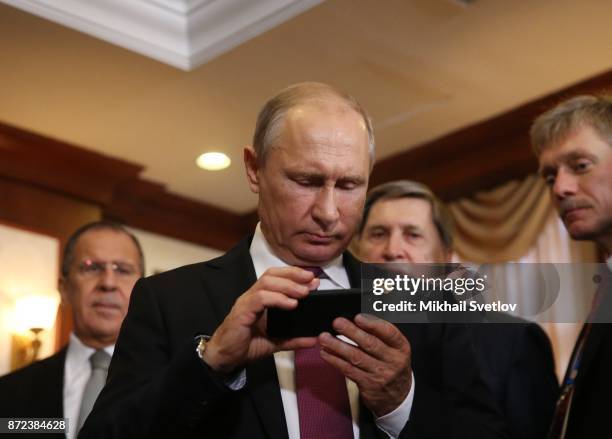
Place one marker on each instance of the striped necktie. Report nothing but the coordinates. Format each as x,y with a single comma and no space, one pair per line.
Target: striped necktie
99,362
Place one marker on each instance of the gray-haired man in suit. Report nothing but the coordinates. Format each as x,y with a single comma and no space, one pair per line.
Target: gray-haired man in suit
101,263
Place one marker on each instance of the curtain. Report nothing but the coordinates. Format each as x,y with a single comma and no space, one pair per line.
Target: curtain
516,222
501,224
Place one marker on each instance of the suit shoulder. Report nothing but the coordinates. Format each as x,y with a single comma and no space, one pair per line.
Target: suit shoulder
521,325
164,285
237,254
172,275
501,317
514,330
191,272
43,370
35,390
510,323
524,335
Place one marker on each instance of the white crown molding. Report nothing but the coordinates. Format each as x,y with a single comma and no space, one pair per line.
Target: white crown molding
180,6
182,33
224,24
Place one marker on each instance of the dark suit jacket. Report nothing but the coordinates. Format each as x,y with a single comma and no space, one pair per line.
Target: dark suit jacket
517,363
590,412
158,387
36,391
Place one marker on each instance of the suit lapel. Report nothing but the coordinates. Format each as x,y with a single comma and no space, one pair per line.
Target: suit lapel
58,368
591,347
353,269
234,275
50,385
597,333
263,387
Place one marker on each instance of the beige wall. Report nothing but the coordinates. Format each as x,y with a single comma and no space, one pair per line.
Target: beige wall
28,265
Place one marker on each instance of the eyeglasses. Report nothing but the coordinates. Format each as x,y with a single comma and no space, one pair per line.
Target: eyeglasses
91,268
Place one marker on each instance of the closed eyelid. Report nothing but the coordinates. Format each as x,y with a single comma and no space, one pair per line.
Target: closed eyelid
582,161
89,265
322,179
357,181
309,179
377,229
301,174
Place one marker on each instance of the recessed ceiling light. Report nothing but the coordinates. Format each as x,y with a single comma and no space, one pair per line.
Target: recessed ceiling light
213,161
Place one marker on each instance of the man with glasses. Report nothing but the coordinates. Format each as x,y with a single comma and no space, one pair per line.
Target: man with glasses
102,261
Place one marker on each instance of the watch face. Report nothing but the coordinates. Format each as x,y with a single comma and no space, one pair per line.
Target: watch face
201,348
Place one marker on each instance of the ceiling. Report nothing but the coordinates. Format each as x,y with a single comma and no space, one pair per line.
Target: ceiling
423,68
182,33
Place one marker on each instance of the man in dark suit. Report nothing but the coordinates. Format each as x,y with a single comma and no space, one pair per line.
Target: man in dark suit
101,264
310,162
403,221
573,142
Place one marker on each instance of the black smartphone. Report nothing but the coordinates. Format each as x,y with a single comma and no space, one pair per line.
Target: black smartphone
314,314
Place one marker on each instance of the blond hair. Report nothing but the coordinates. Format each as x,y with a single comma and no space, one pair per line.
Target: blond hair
553,126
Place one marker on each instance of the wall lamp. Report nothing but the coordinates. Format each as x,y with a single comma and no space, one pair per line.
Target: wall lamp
32,315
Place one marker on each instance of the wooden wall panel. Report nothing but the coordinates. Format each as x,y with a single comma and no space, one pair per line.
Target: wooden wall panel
148,206
114,186
482,155
61,167
52,213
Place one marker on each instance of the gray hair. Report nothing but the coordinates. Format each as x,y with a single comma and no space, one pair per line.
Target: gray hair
412,189
271,116
556,124
98,225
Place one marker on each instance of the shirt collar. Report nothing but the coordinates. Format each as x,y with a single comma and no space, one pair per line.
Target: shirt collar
80,353
264,258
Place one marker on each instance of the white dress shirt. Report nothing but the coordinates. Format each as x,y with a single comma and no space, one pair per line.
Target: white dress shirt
391,423
76,373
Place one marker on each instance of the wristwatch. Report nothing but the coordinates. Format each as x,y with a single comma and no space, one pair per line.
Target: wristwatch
202,344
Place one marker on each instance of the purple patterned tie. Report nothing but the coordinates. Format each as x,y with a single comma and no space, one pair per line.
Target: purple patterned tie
323,403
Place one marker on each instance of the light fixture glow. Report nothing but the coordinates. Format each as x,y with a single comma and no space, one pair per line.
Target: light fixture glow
36,311
213,161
